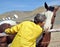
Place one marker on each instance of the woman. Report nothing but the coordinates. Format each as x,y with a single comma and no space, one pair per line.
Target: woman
27,32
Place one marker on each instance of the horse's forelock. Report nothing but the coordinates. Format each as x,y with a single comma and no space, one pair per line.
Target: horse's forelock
51,8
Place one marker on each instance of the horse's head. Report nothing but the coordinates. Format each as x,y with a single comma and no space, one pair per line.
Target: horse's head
4,25
50,14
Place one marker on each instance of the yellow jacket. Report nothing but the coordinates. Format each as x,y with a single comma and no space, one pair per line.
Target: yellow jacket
27,33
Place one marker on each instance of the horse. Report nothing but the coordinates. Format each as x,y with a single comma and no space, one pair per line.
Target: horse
50,13
5,40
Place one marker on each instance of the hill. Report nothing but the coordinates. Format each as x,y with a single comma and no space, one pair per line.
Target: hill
27,15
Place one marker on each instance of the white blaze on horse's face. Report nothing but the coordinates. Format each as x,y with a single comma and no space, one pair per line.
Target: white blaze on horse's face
11,22
48,15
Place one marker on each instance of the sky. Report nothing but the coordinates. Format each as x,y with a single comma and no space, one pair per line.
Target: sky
24,5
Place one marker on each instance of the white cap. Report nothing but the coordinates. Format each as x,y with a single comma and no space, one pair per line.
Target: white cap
11,22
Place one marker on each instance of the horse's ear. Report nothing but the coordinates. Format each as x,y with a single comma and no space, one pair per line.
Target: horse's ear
46,6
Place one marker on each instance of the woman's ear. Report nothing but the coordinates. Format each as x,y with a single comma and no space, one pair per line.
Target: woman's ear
46,6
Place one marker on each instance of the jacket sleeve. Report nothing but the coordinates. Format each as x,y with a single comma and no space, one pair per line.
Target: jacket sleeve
13,29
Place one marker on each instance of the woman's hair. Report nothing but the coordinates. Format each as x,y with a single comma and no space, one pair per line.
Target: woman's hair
39,18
